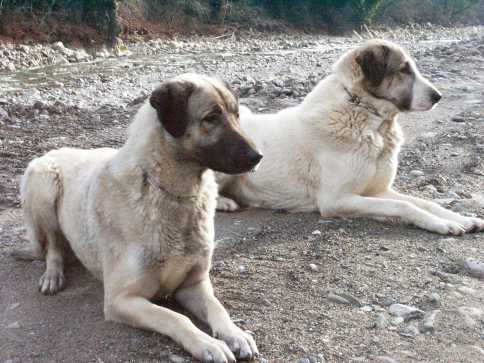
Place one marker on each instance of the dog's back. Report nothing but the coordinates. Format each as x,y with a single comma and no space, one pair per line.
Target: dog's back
45,185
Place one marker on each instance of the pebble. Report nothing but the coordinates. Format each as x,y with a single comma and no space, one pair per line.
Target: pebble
366,308
303,360
409,331
417,173
387,301
14,325
316,233
313,267
343,298
429,188
474,268
337,299
381,321
406,312
429,320
385,359
241,269
469,314
458,119
434,298
176,358
317,359
398,320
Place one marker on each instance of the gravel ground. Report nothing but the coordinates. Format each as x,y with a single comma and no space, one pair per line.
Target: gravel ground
312,290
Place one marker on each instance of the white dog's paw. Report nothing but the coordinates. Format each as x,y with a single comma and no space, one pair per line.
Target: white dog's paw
447,227
472,224
226,205
210,350
51,282
240,342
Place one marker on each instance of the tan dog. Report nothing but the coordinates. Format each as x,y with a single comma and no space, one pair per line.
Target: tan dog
141,218
337,152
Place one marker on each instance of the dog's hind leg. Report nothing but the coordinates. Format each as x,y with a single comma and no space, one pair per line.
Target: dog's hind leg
41,189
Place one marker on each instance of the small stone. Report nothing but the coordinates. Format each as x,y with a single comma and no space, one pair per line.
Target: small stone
343,298
381,321
316,233
429,188
313,267
398,320
337,299
14,306
366,308
14,325
176,358
263,360
434,298
241,269
385,359
409,331
406,312
387,301
458,119
317,359
416,173
429,320
469,314
304,360
474,268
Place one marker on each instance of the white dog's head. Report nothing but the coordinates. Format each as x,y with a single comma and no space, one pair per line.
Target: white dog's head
386,71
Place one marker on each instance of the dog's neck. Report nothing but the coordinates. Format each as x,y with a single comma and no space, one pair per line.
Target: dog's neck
152,153
172,175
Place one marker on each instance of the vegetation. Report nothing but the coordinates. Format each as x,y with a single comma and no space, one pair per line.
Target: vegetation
327,15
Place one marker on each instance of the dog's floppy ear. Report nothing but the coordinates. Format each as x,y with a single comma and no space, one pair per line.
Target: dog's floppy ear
170,101
374,63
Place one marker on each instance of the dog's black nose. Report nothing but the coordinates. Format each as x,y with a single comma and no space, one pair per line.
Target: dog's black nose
435,97
254,157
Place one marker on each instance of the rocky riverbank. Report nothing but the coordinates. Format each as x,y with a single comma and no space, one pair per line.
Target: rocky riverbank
312,290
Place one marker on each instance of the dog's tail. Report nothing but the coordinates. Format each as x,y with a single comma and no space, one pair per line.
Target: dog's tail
40,191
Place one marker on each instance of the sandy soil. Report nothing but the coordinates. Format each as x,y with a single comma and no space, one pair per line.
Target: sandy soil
262,271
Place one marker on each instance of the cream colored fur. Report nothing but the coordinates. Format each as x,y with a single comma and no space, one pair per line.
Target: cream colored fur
335,156
141,220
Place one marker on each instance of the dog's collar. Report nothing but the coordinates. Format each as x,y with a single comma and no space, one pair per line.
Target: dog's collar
147,178
357,101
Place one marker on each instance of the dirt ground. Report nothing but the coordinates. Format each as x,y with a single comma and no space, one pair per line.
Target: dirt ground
278,274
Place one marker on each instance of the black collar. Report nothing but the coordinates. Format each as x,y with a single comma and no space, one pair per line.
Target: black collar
148,179
357,101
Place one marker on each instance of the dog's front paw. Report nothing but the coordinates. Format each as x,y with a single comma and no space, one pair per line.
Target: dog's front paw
240,342
226,205
472,224
447,227
210,350
51,282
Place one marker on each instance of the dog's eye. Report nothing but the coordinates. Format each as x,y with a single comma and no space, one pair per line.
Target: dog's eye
406,69
211,119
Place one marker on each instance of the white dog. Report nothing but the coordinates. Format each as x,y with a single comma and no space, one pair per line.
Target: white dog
140,218
337,152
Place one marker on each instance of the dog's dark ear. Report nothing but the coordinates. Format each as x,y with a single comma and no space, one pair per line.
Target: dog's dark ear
374,63
170,101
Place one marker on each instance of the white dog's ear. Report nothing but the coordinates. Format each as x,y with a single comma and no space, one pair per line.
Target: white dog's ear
170,101
374,63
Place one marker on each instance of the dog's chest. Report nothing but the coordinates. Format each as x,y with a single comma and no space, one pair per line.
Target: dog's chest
377,157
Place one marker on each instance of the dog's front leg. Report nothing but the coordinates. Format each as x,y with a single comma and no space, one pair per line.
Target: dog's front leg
200,300
139,312
356,205
470,224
